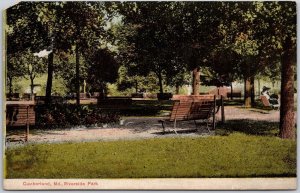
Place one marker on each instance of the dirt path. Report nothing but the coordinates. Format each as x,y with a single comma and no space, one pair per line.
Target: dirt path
233,113
136,128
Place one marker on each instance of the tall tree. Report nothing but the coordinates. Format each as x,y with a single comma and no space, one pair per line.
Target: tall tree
201,21
32,27
103,68
34,67
286,20
24,31
269,31
84,22
14,70
153,41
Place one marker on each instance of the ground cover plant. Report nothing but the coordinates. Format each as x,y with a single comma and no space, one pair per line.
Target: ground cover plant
235,155
66,115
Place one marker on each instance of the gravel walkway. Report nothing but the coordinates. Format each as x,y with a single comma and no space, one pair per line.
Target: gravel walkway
135,128
239,113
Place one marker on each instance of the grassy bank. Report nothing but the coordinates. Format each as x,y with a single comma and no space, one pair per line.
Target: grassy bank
236,155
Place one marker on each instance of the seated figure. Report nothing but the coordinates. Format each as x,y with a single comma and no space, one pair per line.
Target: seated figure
273,99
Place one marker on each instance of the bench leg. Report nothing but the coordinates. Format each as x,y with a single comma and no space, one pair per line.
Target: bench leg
27,133
174,128
210,123
27,125
196,125
163,126
207,126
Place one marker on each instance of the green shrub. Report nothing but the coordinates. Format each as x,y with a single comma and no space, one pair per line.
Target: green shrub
64,115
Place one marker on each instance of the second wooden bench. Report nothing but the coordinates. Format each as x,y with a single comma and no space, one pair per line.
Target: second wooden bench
201,109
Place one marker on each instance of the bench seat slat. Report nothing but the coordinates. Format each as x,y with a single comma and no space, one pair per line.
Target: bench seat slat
20,114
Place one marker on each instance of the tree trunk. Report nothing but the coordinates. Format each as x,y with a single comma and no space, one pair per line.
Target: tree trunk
101,92
161,90
252,90
10,85
105,89
84,86
247,93
177,89
231,91
287,122
196,81
49,78
77,77
258,84
136,86
31,88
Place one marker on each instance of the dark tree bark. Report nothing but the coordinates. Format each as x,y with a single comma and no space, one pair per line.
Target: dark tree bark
10,85
101,91
287,122
177,89
77,76
252,91
231,91
49,78
247,95
258,84
136,86
159,75
196,81
31,87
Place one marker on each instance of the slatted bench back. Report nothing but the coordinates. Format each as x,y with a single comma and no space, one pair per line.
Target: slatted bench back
201,109
192,98
234,94
180,111
20,115
187,110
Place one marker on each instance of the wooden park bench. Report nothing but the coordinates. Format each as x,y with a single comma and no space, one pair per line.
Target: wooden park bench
54,100
95,94
195,98
84,96
267,103
137,95
187,110
192,98
234,94
219,91
20,115
13,96
28,96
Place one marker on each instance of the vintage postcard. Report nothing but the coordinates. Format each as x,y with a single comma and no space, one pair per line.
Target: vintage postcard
172,95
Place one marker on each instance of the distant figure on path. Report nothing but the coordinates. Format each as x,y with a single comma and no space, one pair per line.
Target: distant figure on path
273,99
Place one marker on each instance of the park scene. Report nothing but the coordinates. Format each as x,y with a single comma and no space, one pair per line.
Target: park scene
150,90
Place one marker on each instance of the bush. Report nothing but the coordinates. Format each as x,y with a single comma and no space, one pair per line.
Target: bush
64,115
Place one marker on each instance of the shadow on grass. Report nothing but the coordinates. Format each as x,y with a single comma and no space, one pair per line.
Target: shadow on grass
250,127
182,131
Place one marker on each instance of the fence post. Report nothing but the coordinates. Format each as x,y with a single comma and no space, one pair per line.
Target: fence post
27,124
222,110
214,113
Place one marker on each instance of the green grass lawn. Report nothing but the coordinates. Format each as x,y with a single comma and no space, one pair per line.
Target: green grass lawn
235,155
